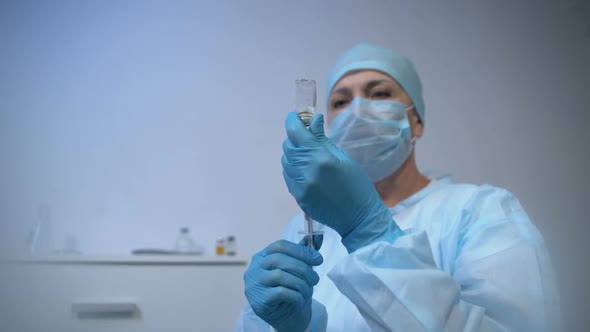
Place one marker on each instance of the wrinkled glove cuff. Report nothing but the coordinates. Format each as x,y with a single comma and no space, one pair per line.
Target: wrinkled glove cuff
380,228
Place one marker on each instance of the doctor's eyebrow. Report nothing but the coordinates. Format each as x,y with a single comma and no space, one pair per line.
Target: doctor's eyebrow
369,85
375,83
342,90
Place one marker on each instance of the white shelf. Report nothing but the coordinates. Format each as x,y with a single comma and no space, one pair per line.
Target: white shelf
133,260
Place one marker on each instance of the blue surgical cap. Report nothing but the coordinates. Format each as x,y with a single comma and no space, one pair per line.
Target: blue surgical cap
400,68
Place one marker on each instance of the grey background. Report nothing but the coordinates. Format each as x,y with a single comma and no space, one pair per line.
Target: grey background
124,120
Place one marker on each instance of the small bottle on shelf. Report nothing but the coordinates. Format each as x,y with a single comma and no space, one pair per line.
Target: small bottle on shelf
220,246
230,247
184,241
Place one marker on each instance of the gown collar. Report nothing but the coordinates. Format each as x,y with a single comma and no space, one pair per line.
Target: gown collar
436,182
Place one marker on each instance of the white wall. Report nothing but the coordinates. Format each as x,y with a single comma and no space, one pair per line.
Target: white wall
128,119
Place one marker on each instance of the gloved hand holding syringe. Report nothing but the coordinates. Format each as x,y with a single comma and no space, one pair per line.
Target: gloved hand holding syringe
280,279
305,106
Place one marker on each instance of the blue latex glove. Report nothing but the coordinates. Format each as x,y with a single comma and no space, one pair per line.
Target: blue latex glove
279,283
331,187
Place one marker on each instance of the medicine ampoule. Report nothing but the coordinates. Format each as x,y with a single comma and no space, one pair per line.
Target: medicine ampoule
305,99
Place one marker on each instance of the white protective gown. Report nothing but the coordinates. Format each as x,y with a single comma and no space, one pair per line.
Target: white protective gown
470,260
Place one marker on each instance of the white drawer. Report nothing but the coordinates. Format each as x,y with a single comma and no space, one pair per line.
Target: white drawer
121,297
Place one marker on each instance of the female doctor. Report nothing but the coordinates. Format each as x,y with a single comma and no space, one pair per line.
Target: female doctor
403,252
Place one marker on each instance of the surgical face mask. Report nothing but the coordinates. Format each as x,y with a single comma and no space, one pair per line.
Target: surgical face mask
376,134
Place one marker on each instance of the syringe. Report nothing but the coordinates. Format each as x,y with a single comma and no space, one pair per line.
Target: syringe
305,105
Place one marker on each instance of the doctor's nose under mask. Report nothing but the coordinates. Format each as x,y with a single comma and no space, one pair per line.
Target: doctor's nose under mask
376,134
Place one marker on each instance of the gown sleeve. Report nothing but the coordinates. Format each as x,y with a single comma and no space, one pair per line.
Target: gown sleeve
499,278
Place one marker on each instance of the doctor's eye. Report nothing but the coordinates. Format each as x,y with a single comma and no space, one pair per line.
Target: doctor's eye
380,94
339,103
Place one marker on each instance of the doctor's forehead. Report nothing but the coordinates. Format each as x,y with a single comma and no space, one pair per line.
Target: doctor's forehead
360,79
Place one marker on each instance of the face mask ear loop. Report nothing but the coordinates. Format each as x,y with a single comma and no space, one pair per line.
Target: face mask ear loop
413,139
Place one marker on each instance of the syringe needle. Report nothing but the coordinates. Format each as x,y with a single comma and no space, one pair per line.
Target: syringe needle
309,226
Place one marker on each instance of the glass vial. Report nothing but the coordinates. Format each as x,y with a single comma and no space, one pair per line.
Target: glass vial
184,241
220,246
230,246
305,99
